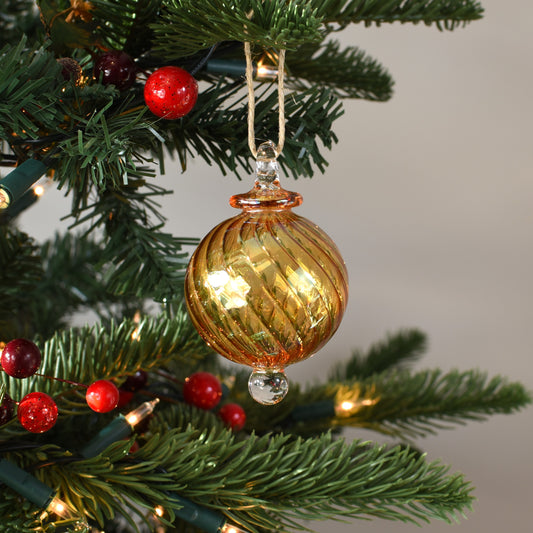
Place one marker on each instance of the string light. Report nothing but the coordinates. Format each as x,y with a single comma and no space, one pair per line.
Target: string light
135,335
38,190
349,400
237,68
5,200
347,403
15,184
37,492
265,72
230,528
120,428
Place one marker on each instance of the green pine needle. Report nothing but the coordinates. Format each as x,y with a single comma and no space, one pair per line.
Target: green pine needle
186,26
445,14
415,405
349,72
406,346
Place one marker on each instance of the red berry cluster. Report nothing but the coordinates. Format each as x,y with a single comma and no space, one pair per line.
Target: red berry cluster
37,411
203,390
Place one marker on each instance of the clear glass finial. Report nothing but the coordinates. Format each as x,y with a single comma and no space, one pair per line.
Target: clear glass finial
268,387
267,166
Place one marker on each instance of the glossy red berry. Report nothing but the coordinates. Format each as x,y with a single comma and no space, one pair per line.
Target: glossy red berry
102,396
20,358
115,68
170,92
7,407
202,390
233,416
37,412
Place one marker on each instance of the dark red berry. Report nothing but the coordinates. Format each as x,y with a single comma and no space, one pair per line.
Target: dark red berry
124,397
102,396
115,68
7,407
202,390
233,416
170,92
20,358
37,412
135,382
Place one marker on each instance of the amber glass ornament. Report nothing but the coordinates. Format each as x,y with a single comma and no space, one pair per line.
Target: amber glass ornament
266,288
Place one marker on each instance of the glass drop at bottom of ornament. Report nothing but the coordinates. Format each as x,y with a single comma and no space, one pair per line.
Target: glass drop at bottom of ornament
268,387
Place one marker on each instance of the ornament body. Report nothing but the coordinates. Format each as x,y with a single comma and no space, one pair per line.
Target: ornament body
170,92
102,396
266,288
20,358
202,390
116,68
37,412
233,416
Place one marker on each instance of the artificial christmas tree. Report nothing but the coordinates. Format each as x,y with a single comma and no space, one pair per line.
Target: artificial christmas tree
98,141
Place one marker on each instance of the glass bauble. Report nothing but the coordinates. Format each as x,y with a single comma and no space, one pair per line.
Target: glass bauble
266,288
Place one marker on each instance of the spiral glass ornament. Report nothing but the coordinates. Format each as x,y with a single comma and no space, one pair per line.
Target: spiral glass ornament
266,288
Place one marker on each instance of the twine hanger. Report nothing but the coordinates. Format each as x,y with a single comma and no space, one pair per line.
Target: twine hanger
251,100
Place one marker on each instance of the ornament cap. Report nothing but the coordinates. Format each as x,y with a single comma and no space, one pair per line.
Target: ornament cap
267,193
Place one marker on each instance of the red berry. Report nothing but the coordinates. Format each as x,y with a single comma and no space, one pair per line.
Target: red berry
233,416
116,68
135,382
124,397
102,396
6,409
20,358
202,390
170,92
37,412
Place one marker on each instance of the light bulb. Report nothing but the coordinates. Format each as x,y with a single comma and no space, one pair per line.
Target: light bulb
230,528
61,509
144,410
5,200
344,408
266,72
38,190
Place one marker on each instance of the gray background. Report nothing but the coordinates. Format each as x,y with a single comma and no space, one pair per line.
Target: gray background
429,199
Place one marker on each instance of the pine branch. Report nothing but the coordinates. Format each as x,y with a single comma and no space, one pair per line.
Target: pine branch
79,286
21,270
123,24
83,355
138,259
263,484
403,347
217,132
104,146
349,72
418,404
445,14
186,26
30,87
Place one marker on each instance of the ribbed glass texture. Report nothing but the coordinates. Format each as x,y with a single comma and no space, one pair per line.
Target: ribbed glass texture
266,288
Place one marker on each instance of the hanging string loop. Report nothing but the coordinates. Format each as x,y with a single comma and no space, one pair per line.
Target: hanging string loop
251,100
